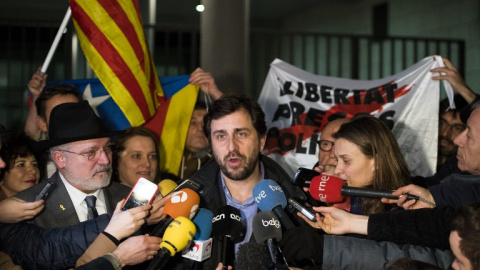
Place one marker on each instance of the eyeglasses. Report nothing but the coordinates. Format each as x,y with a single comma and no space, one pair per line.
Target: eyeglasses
325,145
91,154
455,128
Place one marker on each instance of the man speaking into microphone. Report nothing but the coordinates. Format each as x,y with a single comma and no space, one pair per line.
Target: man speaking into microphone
235,127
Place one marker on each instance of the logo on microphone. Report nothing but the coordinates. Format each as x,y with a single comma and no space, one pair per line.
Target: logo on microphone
260,196
222,216
325,178
275,188
218,217
179,196
235,217
272,222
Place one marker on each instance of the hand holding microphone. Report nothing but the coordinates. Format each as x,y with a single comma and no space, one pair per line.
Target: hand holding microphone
177,236
182,203
425,200
331,189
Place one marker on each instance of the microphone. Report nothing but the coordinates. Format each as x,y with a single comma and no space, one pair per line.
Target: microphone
183,203
177,236
268,231
227,228
330,189
269,196
166,186
251,256
202,246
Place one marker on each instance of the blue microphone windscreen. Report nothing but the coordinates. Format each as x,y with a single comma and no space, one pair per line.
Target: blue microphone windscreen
268,194
203,221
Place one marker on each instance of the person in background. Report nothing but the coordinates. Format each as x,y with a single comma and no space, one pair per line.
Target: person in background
136,155
35,86
79,144
326,155
45,99
369,157
465,236
197,150
36,126
21,169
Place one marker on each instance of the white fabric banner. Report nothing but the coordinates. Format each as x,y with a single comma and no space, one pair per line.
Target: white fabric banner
298,104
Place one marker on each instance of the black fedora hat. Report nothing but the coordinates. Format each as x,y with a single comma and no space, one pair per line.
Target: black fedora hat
72,122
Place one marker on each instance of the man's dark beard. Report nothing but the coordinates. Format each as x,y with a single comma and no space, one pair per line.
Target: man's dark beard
443,150
244,173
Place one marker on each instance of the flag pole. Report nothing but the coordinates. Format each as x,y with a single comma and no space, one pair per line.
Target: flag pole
54,46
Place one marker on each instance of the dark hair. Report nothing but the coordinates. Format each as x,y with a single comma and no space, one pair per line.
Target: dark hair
15,144
466,222
376,141
229,104
461,107
51,91
120,140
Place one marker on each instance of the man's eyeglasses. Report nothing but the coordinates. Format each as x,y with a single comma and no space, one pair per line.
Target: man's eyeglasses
325,145
455,128
91,154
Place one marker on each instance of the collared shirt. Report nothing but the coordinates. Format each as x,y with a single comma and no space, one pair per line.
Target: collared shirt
78,200
248,210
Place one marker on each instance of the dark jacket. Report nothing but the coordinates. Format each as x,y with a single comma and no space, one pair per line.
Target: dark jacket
59,210
426,227
447,169
456,190
212,196
34,247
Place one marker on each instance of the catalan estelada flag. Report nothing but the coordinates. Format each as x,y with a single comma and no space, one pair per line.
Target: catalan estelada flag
112,38
170,122
111,35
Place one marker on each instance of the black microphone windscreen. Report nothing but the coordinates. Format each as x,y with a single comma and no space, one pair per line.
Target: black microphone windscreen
251,256
227,221
266,226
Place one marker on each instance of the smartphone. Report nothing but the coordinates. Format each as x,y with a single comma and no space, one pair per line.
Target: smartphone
303,177
188,183
302,209
142,193
44,193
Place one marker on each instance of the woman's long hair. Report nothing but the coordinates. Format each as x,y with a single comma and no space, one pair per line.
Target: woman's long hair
376,141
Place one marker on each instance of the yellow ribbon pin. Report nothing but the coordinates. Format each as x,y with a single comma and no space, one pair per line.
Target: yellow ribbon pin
61,206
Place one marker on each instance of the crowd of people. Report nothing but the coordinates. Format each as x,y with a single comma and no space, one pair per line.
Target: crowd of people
88,171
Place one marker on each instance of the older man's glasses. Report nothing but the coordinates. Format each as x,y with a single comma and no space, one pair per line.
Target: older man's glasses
91,154
325,145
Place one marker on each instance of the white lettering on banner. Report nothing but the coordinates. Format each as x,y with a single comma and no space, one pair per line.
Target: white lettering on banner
298,105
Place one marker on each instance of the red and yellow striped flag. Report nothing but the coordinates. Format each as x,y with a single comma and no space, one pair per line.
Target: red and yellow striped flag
112,38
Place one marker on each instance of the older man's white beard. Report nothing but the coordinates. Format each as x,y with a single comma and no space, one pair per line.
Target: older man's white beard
92,183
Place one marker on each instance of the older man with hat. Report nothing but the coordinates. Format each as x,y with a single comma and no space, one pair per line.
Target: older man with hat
79,145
